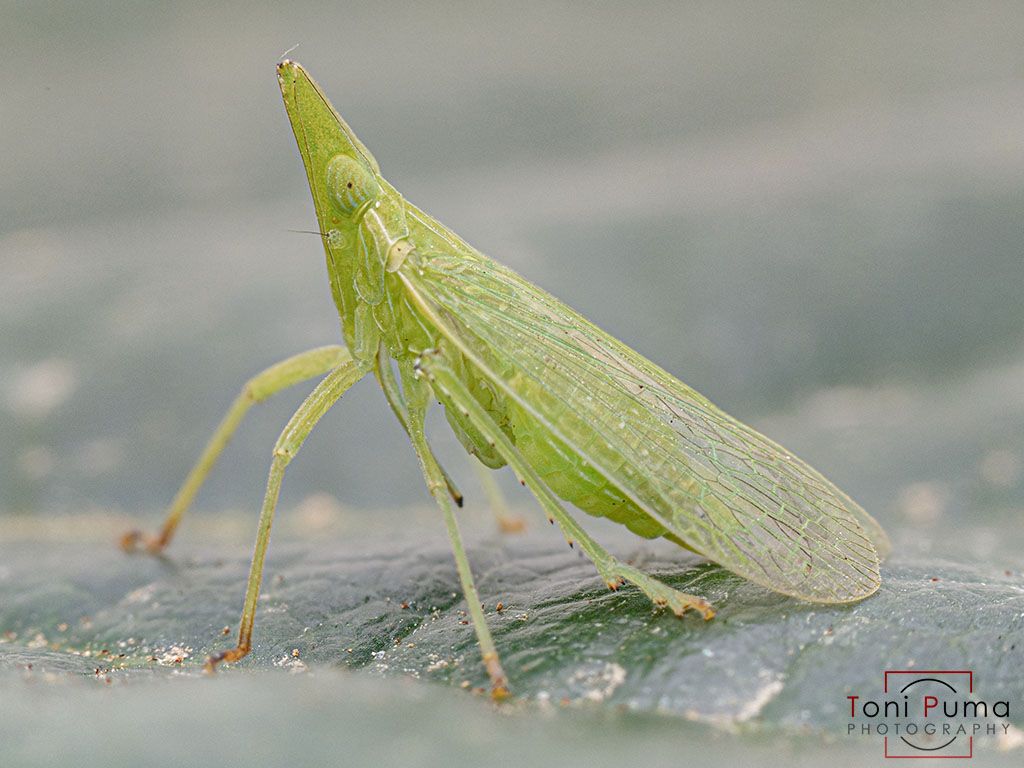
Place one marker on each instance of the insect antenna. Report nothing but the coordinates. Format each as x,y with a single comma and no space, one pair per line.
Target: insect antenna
308,232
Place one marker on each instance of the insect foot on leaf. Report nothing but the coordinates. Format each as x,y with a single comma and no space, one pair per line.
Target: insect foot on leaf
226,657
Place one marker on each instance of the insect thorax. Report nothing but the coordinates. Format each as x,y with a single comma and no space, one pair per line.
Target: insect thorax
363,250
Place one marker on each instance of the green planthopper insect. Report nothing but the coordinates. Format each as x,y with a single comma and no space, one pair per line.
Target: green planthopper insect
527,382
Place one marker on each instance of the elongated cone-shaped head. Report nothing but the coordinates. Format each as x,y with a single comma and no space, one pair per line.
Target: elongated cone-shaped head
343,175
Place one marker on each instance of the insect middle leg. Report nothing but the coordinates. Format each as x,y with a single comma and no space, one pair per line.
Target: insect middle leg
392,393
436,484
508,522
438,488
287,373
448,387
320,400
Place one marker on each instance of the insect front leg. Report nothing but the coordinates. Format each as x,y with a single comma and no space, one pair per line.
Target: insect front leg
614,572
287,373
320,400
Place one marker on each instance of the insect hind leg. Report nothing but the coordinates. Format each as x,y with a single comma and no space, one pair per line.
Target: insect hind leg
448,387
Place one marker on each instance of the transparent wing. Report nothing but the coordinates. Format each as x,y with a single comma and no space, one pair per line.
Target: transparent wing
727,491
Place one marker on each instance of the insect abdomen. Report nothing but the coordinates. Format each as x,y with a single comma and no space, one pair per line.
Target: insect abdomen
470,437
576,481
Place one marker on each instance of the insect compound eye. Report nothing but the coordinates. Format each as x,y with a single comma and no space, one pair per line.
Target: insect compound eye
350,184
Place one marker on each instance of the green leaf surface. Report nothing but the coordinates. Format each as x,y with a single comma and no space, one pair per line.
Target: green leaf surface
361,615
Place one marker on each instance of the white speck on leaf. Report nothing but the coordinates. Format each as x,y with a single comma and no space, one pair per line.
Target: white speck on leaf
599,684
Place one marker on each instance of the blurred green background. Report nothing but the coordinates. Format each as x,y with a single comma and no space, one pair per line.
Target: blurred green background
809,212
784,205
